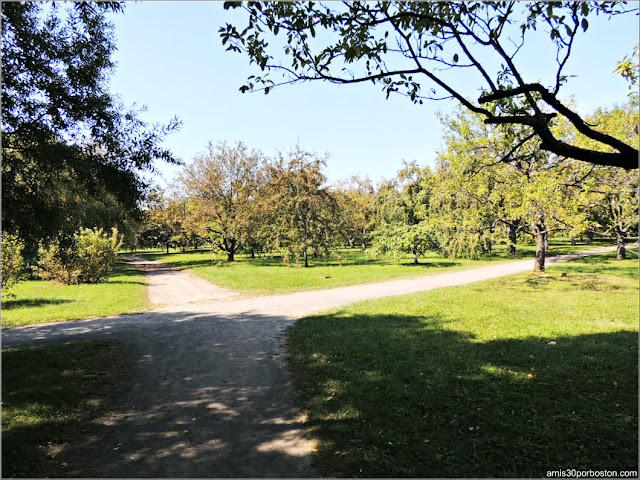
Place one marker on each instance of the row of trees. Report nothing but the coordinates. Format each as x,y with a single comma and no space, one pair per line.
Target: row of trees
231,197
73,155
490,185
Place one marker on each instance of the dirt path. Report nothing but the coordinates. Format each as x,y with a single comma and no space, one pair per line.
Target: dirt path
165,287
210,396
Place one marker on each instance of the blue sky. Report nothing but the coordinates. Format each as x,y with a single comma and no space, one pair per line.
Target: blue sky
170,58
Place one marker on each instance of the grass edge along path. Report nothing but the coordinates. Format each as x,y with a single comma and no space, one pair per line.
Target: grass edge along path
467,381
54,395
269,276
37,301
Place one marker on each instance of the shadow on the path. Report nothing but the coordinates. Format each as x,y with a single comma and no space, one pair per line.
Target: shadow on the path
209,398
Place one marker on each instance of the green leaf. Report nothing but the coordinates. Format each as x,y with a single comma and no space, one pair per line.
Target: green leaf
585,8
585,24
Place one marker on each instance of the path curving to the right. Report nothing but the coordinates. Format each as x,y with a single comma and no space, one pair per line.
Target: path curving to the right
210,397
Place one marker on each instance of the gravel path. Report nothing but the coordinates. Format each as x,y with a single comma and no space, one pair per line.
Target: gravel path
210,396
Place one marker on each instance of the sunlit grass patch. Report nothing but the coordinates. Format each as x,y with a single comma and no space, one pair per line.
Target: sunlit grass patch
270,275
38,301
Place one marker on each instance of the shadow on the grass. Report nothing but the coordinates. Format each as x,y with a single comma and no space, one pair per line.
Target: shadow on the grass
10,303
402,396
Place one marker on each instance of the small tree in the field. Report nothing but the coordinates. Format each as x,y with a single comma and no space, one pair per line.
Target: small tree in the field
12,261
357,200
222,184
303,213
401,207
88,257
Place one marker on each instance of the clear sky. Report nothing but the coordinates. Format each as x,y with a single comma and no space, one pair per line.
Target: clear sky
170,58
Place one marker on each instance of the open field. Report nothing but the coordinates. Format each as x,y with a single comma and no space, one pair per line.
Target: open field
38,301
269,275
51,394
466,382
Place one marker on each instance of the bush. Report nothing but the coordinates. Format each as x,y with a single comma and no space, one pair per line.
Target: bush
12,261
87,258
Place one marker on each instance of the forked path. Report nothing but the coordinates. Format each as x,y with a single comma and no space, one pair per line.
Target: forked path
210,395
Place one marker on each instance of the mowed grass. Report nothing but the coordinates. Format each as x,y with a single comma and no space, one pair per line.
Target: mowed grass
51,395
464,382
38,301
269,275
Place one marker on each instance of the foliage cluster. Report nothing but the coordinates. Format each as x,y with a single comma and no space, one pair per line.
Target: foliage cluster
491,185
87,257
72,154
232,198
419,49
12,261
37,301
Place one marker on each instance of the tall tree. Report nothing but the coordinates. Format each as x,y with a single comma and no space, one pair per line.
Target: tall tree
357,198
303,212
610,195
506,180
412,47
67,141
402,206
223,183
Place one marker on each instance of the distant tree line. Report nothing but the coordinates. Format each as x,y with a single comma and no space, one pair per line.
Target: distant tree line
486,188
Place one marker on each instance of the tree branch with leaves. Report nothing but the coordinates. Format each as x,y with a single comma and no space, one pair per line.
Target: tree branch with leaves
417,49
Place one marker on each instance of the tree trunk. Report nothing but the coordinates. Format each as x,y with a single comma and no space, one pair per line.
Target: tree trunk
253,253
539,231
352,243
230,247
573,241
616,209
167,248
512,233
621,252
546,242
364,246
415,256
306,258
589,238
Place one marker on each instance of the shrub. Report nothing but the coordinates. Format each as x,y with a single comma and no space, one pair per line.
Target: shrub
12,261
87,258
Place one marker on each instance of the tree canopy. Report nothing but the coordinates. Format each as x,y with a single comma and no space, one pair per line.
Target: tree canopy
435,50
72,154
223,183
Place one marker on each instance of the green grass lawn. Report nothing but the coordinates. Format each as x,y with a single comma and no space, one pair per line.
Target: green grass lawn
464,382
51,394
269,275
38,301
